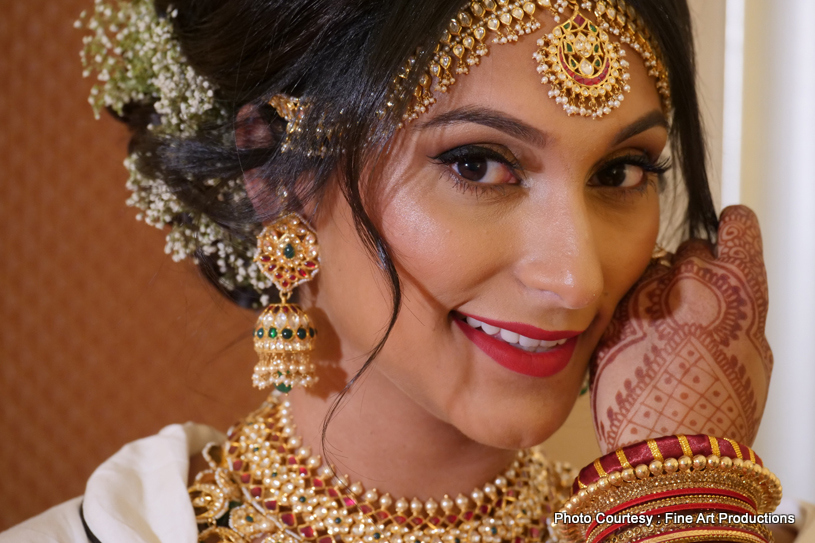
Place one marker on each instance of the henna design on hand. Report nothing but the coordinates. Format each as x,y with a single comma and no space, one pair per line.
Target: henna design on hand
685,351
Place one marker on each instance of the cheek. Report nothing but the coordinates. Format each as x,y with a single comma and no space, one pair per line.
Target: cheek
625,243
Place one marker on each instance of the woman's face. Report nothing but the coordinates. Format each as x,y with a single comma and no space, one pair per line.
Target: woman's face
499,207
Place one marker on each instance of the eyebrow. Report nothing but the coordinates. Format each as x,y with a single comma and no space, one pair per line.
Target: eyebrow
490,118
518,129
647,121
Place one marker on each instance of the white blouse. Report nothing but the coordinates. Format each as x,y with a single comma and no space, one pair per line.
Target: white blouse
139,495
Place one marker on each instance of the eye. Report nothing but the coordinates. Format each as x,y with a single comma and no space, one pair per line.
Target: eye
620,175
482,170
627,172
480,164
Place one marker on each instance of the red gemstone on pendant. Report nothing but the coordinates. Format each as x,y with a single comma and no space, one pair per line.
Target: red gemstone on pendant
511,493
499,503
468,515
274,437
451,519
292,461
311,264
271,505
237,464
245,478
349,502
579,19
519,540
435,521
308,532
400,519
281,449
233,449
534,532
417,521
325,540
257,491
292,278
303,471
277,275
382,515
265,258
271,269
332,493
484,509
284,284
287,519
285,309
365,509
303,273
318,483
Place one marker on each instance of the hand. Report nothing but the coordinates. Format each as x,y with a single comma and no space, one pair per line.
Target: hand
685,352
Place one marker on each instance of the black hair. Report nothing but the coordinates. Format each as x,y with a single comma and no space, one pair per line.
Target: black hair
343,56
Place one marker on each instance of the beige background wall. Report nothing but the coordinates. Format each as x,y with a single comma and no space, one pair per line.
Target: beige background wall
104,339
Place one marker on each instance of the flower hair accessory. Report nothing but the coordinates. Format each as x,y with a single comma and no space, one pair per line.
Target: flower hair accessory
137,60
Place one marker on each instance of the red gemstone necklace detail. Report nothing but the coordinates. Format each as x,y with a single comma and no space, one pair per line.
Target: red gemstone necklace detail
263,485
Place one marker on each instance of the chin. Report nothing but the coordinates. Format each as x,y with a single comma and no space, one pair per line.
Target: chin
514,421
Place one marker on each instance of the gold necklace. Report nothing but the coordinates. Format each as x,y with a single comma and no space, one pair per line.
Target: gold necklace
263,485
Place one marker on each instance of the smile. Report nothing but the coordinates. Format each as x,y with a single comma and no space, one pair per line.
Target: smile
521,348
516,339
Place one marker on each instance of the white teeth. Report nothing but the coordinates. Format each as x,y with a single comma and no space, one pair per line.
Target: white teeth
509,337
525,343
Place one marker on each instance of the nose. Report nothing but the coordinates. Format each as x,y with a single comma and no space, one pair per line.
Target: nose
559,257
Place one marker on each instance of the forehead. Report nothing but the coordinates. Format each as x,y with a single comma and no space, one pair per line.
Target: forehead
507,81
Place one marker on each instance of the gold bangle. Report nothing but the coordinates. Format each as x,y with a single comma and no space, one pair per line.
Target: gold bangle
722,477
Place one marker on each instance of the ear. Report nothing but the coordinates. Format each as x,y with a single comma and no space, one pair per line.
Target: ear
252,131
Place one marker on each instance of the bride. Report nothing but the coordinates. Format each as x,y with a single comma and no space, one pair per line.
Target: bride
463,198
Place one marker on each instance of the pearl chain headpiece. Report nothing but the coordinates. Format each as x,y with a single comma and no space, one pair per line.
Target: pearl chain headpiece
580,61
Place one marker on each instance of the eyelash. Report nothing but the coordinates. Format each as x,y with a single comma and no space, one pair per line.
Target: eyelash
475,152
652,169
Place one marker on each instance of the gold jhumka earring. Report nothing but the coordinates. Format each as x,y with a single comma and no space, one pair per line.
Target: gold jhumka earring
284,336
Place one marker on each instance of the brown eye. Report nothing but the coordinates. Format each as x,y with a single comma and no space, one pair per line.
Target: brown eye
484,171
472,169
620,175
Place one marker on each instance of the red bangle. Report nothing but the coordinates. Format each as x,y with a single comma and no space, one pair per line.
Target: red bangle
637,492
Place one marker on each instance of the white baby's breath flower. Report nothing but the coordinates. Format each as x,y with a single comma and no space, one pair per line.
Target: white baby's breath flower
137,60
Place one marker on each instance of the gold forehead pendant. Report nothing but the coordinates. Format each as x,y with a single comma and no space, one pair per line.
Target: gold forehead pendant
586,71
582,59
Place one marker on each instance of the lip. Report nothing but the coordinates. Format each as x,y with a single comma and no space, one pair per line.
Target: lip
532,332
543,364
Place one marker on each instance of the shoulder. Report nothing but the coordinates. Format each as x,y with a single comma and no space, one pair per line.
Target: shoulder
138,495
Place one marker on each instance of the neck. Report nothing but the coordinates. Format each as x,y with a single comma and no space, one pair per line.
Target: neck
383,439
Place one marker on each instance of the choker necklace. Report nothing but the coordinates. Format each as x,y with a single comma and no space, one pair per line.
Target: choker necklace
264,486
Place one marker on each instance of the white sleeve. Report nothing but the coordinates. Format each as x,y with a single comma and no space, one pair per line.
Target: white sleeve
60,524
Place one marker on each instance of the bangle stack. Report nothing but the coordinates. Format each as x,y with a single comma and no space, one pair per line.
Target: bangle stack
671,489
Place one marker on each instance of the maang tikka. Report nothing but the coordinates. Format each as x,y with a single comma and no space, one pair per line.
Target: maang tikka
284,336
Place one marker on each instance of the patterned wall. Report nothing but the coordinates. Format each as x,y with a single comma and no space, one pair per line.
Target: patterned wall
104,338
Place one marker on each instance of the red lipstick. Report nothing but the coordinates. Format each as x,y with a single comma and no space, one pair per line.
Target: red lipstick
543,364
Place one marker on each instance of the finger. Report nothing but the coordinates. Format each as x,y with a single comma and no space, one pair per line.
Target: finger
699,248
657,267
740,237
